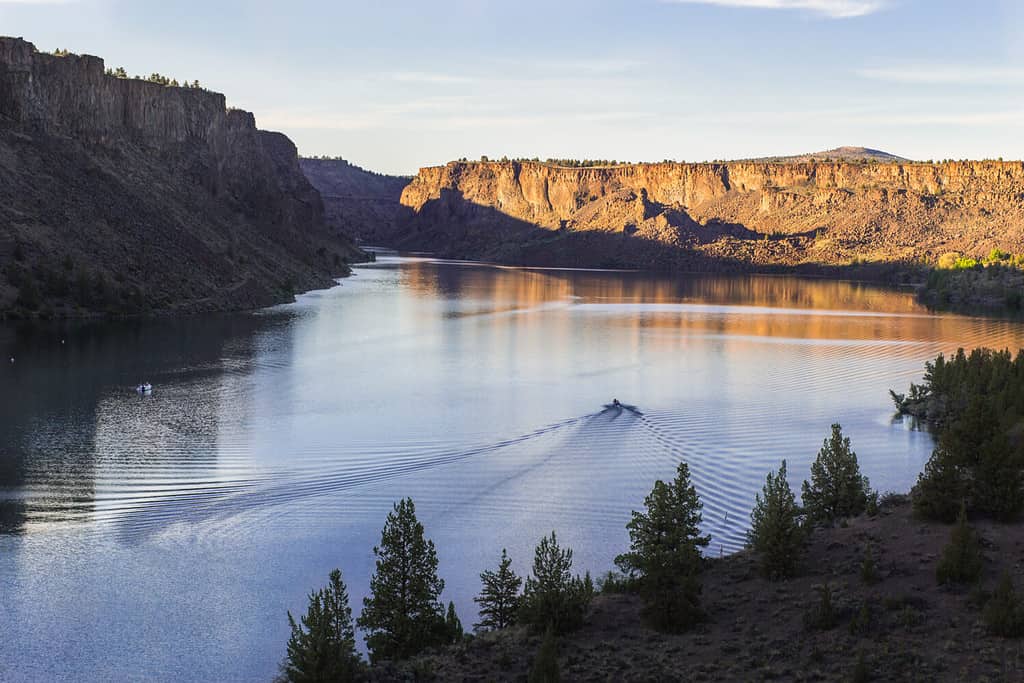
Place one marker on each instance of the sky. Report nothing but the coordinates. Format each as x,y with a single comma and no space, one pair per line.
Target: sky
393,85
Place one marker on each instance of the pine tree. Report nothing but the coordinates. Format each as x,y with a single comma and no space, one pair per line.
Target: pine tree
665,545
403,615
776,533
962,559
553,597
499,598
323,647
453,625
837,488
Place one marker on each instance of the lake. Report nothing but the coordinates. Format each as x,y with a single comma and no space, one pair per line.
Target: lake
164,536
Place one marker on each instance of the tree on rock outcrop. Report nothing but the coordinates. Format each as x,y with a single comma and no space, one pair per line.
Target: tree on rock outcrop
403,615
499,597
665,552
776,532
323,647
837,488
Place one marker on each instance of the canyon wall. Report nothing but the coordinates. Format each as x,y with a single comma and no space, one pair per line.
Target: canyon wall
357,202
715,215
159,196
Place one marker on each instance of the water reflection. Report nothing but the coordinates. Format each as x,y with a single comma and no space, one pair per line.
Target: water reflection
274,443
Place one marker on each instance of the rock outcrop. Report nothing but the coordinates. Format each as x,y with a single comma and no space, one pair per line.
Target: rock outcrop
751,214
357,202
124,195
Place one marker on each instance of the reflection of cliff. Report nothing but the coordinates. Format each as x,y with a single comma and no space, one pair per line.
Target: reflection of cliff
78,443
684,215
125,195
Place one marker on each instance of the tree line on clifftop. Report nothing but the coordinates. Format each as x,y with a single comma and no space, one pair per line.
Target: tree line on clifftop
975,404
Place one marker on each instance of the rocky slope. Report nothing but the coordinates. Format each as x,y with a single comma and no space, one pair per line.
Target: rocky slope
745,214
358,202
122,195
899,626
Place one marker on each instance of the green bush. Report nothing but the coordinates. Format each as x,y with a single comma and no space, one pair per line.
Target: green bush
1003,614
776,532
545,664
961,560
869,568
822,615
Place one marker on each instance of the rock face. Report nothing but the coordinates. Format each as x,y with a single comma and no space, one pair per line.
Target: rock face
123,195
715,215
357,202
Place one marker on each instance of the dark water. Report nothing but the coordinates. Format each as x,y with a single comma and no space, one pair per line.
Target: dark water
164,537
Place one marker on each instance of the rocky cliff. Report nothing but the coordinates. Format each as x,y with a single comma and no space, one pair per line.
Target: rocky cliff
715,215
357,202
124,195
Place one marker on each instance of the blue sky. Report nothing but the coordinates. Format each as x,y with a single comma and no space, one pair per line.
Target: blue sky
394,84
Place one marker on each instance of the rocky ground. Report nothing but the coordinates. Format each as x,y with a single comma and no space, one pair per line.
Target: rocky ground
903,627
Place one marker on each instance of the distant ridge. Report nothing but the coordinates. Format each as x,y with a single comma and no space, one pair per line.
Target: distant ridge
838,154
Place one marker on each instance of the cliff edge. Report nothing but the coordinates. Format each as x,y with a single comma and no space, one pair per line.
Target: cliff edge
715,216
122,195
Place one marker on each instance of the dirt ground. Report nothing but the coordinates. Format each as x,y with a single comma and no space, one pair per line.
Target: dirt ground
902,627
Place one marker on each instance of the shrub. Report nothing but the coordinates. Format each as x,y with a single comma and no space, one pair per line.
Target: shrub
545,664
822,615
1004,615
776,532
869,568
616,583
553,597
837,488
961,559
665,543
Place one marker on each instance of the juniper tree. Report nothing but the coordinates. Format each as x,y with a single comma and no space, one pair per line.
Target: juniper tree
776,532
665,544
499,597
553,597
837,488
323,647
403,614
961,559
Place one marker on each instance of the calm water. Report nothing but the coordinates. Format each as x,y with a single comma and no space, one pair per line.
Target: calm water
165,536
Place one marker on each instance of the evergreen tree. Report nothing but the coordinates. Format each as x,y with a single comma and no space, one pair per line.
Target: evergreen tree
452,625
553,597
940,488
499,598
837,488
403,615
961,560
323,647
665,545
776,532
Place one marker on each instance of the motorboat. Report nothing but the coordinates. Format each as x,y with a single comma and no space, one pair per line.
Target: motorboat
144,388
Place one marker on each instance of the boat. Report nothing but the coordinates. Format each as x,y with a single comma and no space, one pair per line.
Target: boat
618,406
144,388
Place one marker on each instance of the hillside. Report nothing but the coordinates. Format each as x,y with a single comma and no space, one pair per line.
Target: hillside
715,216
901,626
120,195
862,154
357,202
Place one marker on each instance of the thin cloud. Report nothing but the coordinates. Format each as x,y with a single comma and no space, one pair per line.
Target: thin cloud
932,74
835,9
427,77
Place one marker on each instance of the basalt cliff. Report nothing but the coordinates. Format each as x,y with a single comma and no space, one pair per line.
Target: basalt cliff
357,202
128,196
760,215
